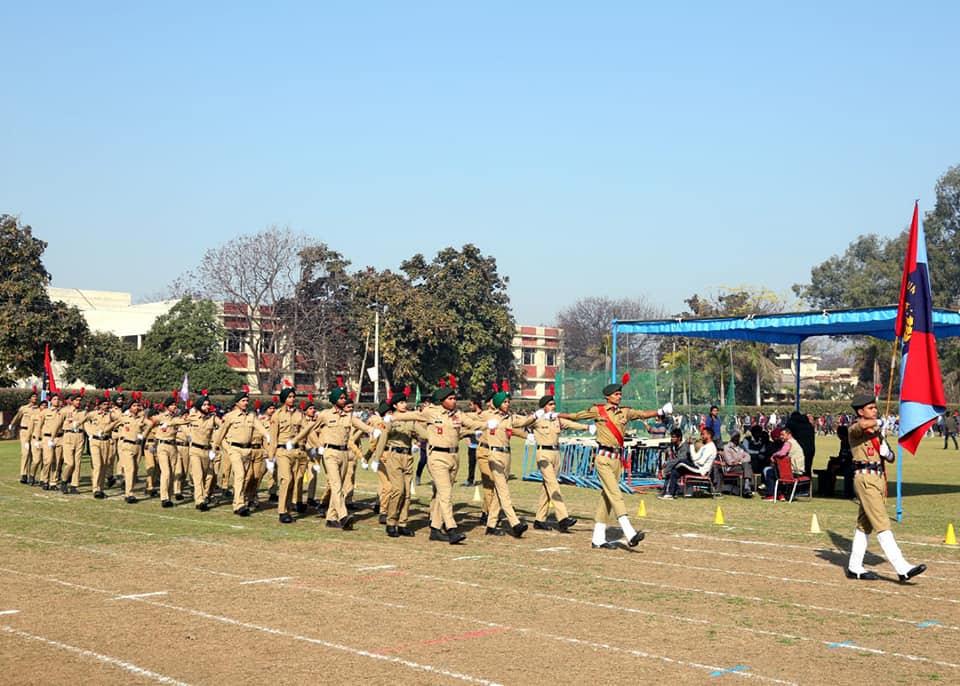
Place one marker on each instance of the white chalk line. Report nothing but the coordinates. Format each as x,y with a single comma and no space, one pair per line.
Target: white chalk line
9,612
266,581
376,568
137,596
270,630
83,652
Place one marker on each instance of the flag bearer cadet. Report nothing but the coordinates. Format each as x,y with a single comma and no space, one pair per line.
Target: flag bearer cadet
393,455
20,427
235,435
445,424
870,451
73,436
612,420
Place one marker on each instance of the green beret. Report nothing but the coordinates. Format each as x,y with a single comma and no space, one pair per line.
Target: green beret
442,394
546,400
862,401
334,395
240,396
612,388
383,408
498,398
286,393
398,398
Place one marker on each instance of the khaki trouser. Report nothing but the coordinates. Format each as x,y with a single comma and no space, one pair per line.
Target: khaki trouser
181,467
109,452
337,464
166,456
223,468
609,470
50,469
26,452
486,476
548,462
127,456
258,467
35,468
150,466
290,468
240,461
72,456
443,471
871,490
99,451
350,480
399,469
201,472
383,487
500,469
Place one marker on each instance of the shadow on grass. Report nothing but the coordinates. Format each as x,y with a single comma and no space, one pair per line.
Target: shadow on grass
841,552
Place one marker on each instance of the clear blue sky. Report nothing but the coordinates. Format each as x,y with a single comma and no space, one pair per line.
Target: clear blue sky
616,148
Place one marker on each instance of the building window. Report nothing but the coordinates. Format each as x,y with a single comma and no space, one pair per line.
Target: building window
267,344
551,358
234,342
529,356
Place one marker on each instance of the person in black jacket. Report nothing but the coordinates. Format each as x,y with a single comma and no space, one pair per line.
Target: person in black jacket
804,434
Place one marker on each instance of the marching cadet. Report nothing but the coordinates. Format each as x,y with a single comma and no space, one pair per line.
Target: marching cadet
393,453
334,426
73,435
181,460
612,420
164,447
49,423
131,429
500,428
309,446
483,452
99,425
355,459
259,457
376,464
20,427
201,426
285,426
546,428
444,425
237,431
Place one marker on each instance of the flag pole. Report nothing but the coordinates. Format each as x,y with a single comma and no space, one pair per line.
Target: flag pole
893,366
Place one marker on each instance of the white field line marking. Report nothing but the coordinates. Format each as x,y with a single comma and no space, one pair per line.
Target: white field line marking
83,652
266,581
555,549
376,568
9,612
275,632
469,557
137,596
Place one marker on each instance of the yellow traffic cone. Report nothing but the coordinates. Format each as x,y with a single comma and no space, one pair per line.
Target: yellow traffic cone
951,538
642,510
815,525
718,518
477,498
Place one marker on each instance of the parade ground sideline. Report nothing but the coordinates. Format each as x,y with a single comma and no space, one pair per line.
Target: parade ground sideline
109,593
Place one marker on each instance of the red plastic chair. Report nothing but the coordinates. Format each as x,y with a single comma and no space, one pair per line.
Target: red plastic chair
787,478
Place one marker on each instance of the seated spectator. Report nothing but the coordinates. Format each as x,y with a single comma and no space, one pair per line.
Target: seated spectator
699,462
736,460
677,451
842,464
758,446
790,447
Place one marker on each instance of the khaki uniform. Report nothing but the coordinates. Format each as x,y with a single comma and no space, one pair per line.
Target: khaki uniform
164,443
285,425
483,463
73,437
235,435
547,434
21,424
131,431
48,432
443,455
99,426
869,480
201,428
393,452
258,468
181,463
498,444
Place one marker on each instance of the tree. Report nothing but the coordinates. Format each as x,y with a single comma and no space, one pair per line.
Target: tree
254,275
28,319
586,332
186,340
103,360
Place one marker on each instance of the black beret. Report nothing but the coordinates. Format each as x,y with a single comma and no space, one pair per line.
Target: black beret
862,400
612,388
398,398
240,396
286,393
546,400
443,393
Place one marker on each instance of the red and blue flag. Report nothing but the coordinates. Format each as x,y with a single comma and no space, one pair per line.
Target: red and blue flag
921,386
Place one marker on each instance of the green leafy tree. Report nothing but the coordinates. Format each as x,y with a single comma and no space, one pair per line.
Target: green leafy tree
28,319
103,360
186,340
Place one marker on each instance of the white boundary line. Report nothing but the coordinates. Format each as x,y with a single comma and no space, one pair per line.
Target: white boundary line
137,596
266,581
83,652
376,568
9,612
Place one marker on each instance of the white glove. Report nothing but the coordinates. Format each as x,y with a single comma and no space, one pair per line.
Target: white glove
316,468
27,444
478,433
267,436
415,448
665,410
50,443
289,445
363,464
376,434
99,434
593,429
551,416
885,451
152,448
539,413
270,464
374,465
9,427
164,426
388,419
493,424
531,439
212,454
139,437
320,450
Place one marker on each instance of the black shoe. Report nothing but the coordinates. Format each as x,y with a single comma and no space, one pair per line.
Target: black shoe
564,524
166,503
609,545
73,490
916,571
483,516
404,531
312,502
203,507
437,535
301,508
30,481
382,519
226,493
376,508
45,486
467,484
518,529
635,539
274,498
322,512
130,499
542,526
178,496
491,531
99,495
455,536
252,505
352,508
392,532
286,518
346,523
63,488
155,493
863,576
23,478
242,512
333,525
111,480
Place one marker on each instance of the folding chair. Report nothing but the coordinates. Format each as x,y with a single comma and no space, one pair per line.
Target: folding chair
736,478
690,482
794,483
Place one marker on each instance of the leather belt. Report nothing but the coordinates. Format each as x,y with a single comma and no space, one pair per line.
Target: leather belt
402,451
47,435
444,450
548,447
239,445
498,449
182,444
868,467
331,446
201,447
72,431
127,440
24,428
101,438
166,441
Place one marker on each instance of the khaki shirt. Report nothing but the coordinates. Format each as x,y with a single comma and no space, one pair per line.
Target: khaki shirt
620,416
99,424
201,428
508,424
861,444
239,427
165,426
443,428
396,434
73,419
48,424
129,427
335,427
547,431
24,417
